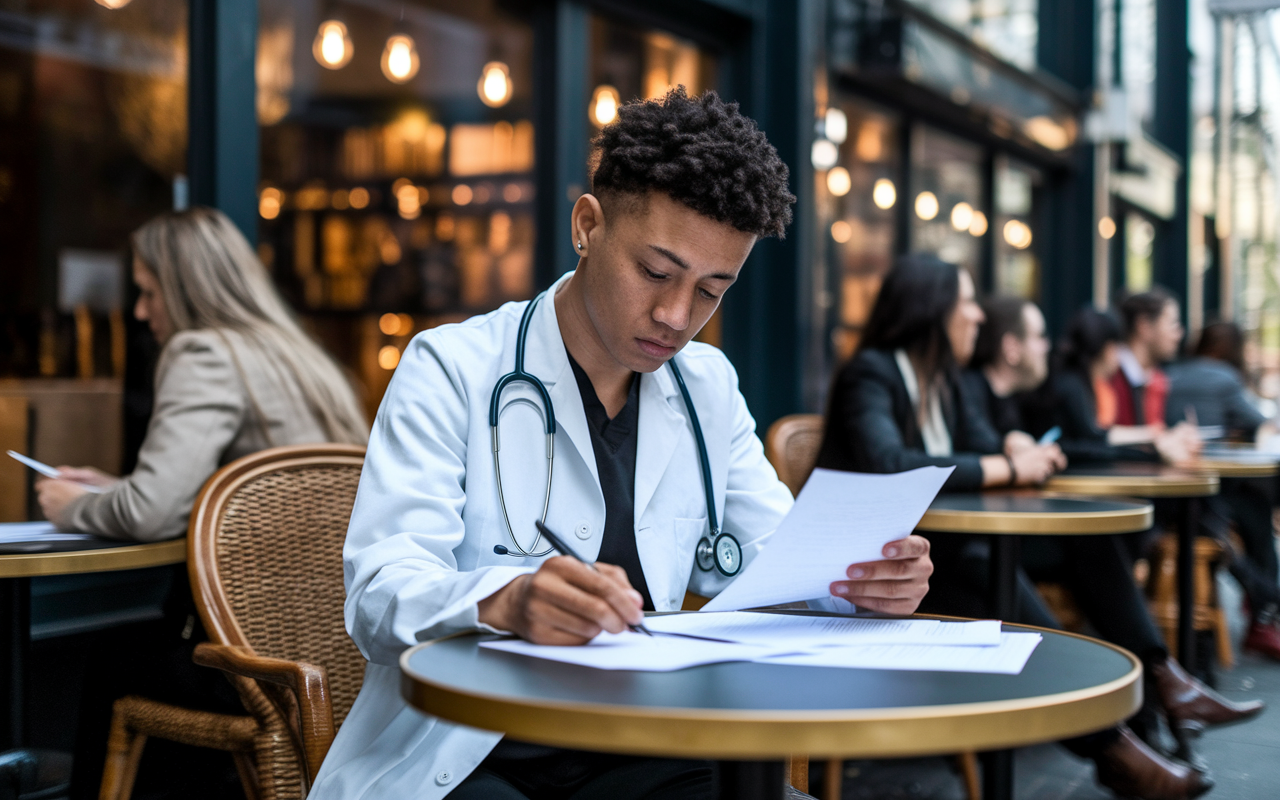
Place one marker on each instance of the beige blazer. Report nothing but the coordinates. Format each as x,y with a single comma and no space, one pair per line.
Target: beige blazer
204,416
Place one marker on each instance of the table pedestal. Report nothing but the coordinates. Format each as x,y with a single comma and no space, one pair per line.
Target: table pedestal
1187,512
752,780
15,632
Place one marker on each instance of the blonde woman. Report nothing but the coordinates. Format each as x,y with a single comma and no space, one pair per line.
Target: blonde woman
236,375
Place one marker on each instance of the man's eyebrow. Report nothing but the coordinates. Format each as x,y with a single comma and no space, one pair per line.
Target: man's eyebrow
682,264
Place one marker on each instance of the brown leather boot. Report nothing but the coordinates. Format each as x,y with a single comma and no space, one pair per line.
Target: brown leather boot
1192,706
1132,770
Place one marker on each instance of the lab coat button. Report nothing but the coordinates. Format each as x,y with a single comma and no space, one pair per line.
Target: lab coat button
583,530
444,777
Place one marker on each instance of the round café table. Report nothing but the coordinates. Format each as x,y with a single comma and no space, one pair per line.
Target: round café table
752,716
19,563
1184,487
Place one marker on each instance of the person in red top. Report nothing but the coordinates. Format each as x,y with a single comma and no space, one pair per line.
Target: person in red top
1153,332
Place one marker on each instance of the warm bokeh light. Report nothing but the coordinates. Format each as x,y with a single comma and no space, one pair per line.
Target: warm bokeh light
884,194
389,324
359,197
341,199
332,47
824,154
408,202
1048,132
604,105
389,356
835,126
113,4
1106,227
512,193
462,194
494,87
978,226
841,231
400,58
270,200
1017,234
838,181
961,216
926,206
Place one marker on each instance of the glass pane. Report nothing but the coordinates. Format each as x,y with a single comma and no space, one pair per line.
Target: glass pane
397,168
1017,270
1008,28
855,200
1139,239
93,134
947,215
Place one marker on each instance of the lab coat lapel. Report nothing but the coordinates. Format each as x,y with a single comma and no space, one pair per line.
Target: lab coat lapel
545,357
661,426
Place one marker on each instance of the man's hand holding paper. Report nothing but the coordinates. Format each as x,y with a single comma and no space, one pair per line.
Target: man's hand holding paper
895,585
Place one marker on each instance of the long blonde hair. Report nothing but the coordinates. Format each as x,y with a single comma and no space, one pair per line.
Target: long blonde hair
210,278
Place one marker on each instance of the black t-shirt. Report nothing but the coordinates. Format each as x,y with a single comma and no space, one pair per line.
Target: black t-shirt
614,441
1004,413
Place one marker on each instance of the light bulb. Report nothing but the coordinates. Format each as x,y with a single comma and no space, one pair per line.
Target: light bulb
839,182
926,206
884,194
400,58
836,125
332,47
978,226
1017,234
1106,227
841,231
824,154
961,216
604,105
113,4
495,84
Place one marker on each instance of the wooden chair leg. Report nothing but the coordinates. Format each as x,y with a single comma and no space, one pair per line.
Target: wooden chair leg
968,763
1226,656
798,772
833,780
124,752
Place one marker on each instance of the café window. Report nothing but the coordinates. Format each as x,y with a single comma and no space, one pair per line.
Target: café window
1017,269
397,168
858,187
948,218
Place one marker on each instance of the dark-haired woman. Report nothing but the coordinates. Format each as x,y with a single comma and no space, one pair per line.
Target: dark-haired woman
898,405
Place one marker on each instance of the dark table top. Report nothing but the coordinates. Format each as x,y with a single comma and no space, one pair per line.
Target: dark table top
1030,512
1070,686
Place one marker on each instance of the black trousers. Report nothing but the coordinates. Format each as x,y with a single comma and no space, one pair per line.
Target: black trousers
577,775
1247,503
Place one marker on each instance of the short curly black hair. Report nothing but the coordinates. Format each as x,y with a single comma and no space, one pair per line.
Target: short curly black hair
701,151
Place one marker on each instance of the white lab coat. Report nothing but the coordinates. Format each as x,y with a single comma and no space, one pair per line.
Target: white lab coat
419,552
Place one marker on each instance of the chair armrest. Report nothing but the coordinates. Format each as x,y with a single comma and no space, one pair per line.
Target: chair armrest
308,682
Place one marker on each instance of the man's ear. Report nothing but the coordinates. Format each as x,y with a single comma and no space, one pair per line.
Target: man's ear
587,221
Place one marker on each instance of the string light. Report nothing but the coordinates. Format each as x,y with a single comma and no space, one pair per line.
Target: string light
332,47
824,154
926,206
604,105
978,227
494,87
838,181
961,216
400,58
389,357
884,194
270,201
835,125
1017,234
841,231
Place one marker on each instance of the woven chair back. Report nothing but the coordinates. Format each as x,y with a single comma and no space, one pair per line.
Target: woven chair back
792,445
265,557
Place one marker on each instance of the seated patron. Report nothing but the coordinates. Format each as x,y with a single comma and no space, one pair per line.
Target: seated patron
236,375
922,329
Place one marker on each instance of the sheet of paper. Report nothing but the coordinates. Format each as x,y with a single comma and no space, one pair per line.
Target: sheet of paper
13,532
635,651
840,518
796,630
1007,658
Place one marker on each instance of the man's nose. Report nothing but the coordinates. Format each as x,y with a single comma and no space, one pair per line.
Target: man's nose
673,312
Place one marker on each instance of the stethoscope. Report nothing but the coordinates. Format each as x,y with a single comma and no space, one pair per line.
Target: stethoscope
717,550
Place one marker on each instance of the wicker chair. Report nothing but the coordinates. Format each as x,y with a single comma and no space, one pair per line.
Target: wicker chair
792,446
265,558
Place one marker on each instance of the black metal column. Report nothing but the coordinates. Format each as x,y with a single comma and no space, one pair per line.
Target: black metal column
1188,513
222,146
1006,551
15,631
1172,127
752,780
997,775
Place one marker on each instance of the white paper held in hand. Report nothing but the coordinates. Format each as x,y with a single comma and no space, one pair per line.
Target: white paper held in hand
840,518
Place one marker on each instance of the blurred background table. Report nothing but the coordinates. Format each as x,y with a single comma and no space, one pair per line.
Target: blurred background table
752,716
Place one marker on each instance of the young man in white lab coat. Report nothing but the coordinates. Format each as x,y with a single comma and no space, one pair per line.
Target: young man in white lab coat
683,188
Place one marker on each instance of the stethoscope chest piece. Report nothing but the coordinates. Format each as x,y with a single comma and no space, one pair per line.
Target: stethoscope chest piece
723,554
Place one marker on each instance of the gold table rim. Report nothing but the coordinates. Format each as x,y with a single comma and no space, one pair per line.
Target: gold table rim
1181,484
106,559
1129,520
1225,468
719,733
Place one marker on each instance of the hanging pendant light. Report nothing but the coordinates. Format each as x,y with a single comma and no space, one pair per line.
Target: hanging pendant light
605,101
495,84
332,47
400,58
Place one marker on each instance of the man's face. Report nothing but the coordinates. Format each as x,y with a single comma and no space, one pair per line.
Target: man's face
1163,334
655,273
1029,355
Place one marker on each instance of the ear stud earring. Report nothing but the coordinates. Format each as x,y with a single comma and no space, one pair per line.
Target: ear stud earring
579,244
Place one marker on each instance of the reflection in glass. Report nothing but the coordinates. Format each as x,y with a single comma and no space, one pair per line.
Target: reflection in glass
946,173
1017,269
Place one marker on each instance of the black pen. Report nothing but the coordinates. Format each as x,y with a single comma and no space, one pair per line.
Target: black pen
564,550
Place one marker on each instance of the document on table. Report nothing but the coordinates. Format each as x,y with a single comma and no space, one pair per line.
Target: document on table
15,532
635,651
840,518
803,631
1007,658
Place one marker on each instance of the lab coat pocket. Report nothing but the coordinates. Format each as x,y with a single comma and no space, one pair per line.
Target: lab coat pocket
687,533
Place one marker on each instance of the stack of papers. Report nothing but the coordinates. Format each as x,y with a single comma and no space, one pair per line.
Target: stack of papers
15,532
798,640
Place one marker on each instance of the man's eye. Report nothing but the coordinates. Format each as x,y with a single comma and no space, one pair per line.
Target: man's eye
657,276
709,295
